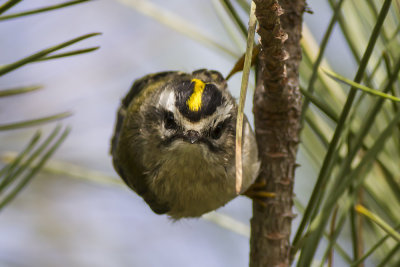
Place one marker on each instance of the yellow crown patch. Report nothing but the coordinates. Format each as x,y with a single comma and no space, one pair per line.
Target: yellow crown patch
194,102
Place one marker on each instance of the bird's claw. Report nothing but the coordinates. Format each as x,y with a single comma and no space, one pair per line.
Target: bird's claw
257,193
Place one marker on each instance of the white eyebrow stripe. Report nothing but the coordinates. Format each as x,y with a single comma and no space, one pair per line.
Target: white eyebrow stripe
167,100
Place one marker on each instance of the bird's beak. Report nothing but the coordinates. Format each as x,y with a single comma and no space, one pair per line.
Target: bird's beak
192,136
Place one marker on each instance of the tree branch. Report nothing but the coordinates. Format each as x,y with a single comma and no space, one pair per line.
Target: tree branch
277,110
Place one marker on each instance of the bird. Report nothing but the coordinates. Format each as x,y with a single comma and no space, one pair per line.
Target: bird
174,143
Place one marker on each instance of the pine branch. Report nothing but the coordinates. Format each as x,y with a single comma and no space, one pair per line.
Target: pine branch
277,110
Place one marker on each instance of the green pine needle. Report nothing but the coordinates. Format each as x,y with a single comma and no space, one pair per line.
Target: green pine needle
34,122
40,10
37,167
376,219
7,5
43,53
360,86
19,90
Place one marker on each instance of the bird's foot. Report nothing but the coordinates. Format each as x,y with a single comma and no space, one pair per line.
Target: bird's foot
257,193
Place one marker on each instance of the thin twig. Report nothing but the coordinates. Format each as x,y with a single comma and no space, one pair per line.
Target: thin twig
242,99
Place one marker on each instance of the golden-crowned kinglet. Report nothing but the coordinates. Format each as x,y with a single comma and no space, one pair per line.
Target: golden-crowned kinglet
174,143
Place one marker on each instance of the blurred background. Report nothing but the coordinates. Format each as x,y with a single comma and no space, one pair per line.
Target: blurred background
59,220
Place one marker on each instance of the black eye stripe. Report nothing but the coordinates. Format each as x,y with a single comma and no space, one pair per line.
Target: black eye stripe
169,121
218,130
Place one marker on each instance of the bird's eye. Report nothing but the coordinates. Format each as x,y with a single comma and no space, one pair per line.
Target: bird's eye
217,132
169,121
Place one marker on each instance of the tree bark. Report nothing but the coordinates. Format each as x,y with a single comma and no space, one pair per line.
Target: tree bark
277,110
